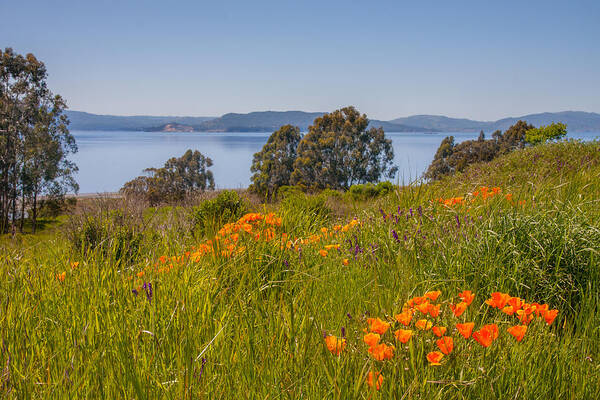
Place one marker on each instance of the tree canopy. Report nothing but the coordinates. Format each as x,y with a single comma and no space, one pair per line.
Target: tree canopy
178,178
451,157
34,140
272,167
554,131
339,151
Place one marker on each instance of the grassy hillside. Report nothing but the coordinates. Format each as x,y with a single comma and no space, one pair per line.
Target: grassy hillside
152,303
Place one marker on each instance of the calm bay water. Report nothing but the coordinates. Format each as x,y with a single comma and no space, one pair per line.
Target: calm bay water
107,160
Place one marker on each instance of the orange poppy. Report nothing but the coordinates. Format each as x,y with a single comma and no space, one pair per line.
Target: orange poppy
323,253
446,344
334,344
404,317
423,324
433,295
374,379
434,311
508,310
345,261
435,357
539,309
549,316
518,331
378,325
371,339
525,316
61,277
403,335
465,329
382,351
498,300
467,296
439,331
423,307
459,308
486,335
417,300
516,303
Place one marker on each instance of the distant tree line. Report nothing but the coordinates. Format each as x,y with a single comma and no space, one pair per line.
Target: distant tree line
34,141
337,152
452,157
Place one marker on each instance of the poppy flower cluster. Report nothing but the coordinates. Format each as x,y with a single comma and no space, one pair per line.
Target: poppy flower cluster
430,320
483,193
518,307
232,238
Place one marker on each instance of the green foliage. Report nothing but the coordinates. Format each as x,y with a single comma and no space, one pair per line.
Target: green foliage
210,215
554,131
273,165
34,140
53,207
256,320
114,235
513,138
369,190
180,177
339,151
451,158
307,212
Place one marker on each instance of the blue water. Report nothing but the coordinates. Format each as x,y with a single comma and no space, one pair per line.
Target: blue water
107,160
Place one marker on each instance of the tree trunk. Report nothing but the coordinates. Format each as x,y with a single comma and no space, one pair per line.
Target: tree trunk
34,212
22,211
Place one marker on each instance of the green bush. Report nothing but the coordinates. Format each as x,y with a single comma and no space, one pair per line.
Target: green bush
52,208
114,235
210,215
369,190
305,212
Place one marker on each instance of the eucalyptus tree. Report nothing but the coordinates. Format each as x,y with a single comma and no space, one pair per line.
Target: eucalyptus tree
34,139
272,167
340,150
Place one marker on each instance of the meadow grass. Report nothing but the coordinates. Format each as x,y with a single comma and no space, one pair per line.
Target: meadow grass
251,323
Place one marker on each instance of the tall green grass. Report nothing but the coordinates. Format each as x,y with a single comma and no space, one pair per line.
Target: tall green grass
252,326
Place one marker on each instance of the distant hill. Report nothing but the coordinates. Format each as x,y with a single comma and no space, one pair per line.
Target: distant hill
261,121
93,122
269,121
577,121
442,123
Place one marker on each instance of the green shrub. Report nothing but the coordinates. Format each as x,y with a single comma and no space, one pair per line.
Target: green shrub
305,212
114,235
52,208
369,190
210,215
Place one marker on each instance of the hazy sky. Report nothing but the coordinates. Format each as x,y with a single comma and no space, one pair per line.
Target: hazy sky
475,59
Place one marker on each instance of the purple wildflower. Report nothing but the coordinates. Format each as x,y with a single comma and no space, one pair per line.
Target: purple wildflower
395,235
457,221
135,292
383,214
343,332
348,315
202,368
148,289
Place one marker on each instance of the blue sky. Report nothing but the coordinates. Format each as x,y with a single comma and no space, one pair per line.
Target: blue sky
475,59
